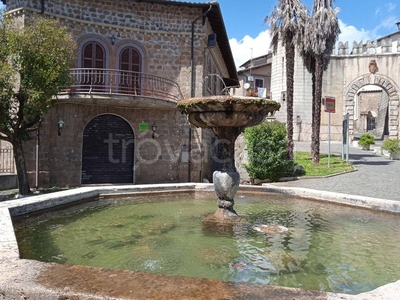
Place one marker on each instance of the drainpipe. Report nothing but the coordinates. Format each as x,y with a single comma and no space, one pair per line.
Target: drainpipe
192,86
37,159
298,122
189,150
192,94
42,7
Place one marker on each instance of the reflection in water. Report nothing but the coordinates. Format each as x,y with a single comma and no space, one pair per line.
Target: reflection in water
325,247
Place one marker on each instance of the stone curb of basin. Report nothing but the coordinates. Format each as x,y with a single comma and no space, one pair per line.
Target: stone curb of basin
18,277
293,178
339,198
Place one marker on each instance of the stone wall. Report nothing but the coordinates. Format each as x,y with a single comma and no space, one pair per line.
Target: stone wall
161,31
157,160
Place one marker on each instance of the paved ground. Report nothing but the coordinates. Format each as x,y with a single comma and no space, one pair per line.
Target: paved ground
376,176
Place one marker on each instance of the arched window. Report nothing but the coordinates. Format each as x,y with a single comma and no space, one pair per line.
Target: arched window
130,66
93,62
93,56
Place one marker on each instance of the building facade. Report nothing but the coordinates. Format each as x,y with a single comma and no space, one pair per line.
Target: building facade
363,80
118,122
255,77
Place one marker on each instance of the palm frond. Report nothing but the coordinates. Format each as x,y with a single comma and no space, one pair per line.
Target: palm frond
287,21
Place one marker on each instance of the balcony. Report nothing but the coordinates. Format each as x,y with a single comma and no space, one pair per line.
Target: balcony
121,88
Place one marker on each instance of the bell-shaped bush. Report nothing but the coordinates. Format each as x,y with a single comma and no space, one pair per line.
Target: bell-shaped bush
266,146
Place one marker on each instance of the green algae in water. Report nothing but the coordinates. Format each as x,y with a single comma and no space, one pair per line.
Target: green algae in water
327,247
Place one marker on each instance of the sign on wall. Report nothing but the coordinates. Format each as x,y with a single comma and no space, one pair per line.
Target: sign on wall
143,126
330,104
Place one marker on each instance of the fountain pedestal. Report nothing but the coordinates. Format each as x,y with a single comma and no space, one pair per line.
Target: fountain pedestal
226,184
226,181
227,116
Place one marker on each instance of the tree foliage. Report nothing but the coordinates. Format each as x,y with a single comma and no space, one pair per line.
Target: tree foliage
266,145
287,22
35,62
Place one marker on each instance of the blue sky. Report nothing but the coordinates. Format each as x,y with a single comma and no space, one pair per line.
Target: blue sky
360,20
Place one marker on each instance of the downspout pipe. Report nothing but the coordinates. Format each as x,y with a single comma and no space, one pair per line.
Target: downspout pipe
42,7
192,93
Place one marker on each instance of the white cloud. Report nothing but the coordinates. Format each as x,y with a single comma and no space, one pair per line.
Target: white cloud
350,34
388,23
242,50
249,47
390,7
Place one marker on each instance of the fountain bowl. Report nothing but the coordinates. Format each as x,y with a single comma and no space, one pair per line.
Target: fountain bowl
227,111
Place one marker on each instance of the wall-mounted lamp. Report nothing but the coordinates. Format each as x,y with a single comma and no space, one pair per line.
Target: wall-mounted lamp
153,128
60,125
398,25
112,38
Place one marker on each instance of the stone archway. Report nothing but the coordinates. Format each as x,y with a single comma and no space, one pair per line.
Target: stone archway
389,86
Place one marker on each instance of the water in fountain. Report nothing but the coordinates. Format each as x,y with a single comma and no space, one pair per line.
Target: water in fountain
326,247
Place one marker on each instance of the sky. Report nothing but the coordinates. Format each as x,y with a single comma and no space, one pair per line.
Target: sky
360,20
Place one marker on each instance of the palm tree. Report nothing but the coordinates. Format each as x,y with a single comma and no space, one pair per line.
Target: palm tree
286,22
320,34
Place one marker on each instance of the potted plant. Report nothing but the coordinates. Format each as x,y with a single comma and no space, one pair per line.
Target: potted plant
392,146
366,140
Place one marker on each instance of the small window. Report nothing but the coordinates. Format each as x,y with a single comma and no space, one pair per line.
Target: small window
259,83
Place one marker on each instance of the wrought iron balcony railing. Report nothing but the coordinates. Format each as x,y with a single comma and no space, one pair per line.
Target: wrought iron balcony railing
113,82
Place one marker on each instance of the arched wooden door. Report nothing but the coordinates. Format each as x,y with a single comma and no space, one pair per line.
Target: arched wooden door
108,151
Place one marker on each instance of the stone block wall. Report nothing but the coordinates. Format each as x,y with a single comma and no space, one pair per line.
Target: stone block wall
157,160
161,31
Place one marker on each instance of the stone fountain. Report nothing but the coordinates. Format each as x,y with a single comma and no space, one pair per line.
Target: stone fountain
227,116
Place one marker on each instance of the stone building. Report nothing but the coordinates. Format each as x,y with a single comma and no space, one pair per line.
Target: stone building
118,123
255,77
363,80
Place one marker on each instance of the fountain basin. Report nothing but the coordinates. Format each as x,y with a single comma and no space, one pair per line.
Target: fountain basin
50,281
227,111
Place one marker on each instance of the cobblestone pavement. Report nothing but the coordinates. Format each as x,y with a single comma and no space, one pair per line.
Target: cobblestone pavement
377,176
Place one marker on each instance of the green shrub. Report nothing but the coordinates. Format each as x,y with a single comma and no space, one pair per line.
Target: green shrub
366,140
392,146
266,145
